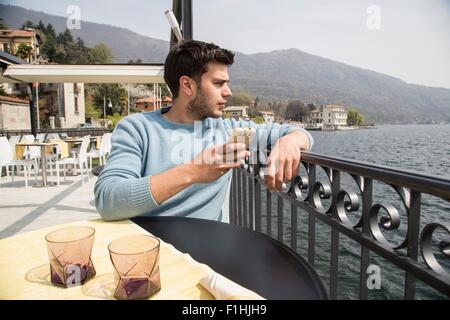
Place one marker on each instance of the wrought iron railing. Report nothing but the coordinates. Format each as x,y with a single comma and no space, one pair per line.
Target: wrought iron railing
314,197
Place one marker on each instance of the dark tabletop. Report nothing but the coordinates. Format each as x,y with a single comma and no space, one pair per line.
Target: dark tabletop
252,259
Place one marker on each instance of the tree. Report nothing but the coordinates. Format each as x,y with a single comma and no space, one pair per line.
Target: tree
91,111
101,54
256,102
243,98
24,52
27,24
3,25
113,91
258,119
296,110
41,26
312,107
65,38
50,31
240,98
49,49
164,89
354,117
114,119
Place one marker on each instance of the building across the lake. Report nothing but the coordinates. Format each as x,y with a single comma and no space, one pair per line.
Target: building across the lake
236,111
329,117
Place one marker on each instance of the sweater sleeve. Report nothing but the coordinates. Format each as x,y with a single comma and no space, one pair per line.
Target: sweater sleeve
267,134
120,191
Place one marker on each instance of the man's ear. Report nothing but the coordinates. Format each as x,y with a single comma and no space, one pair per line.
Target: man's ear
188,86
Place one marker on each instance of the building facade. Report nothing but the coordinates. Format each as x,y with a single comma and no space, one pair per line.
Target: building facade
316,117
268,116
64,102
14,113
334,117
236,111
148,103
21,43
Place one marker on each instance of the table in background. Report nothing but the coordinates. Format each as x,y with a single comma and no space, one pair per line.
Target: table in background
43,146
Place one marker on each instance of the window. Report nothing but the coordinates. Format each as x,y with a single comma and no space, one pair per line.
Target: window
76,104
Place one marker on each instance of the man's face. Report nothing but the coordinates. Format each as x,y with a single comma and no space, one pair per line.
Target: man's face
212,93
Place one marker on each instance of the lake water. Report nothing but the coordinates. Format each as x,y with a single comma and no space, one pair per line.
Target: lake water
423,148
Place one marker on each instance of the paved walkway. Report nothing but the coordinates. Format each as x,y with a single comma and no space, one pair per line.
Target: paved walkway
25,209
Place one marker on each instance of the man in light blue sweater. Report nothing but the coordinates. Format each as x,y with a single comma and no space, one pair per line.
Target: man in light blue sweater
178,161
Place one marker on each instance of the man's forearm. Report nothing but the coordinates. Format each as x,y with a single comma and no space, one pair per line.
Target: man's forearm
166,184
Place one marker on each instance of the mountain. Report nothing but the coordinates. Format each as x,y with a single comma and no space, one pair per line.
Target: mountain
293,74
278,75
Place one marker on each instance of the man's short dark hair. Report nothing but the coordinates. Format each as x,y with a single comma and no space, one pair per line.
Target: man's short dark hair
190,58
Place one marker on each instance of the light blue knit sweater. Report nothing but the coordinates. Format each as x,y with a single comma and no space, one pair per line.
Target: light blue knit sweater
146,144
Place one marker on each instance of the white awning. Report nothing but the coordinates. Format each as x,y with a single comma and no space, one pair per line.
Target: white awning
46,73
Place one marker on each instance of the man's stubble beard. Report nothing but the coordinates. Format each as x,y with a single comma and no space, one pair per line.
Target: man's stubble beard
198,108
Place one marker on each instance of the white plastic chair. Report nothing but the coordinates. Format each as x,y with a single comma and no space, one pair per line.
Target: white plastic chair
40,137
103,152
13,140
52,136
6,160
80,160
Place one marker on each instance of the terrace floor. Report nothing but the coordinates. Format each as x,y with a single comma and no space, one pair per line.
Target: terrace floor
25,209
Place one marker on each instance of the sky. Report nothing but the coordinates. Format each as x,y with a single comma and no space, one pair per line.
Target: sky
407,39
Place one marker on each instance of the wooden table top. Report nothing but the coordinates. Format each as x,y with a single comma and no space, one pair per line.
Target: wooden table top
25,272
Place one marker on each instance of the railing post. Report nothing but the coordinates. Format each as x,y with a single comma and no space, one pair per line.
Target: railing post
269,213
293,226
335,187
412,240
311,217
257,205
232,199
244,198
239,197
367,188
235,195
251,196
280,217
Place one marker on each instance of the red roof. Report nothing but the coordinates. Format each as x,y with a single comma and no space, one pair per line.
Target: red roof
150,100
146,99
16,33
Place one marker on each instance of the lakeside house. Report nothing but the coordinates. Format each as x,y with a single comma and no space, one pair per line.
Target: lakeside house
268,116
237,111
24,43
329,117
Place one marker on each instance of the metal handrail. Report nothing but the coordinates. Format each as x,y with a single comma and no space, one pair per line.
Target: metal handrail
306,193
